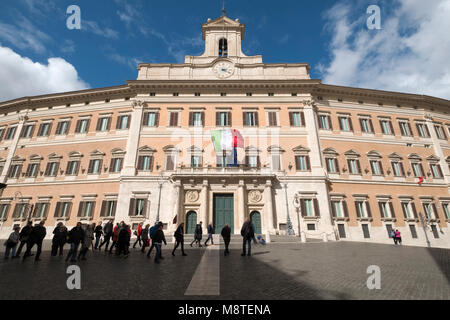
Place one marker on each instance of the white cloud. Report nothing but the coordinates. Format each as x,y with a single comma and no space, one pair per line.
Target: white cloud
20,76
93,27
410,54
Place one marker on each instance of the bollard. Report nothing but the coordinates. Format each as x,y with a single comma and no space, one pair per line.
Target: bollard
268,237
324,237
303,237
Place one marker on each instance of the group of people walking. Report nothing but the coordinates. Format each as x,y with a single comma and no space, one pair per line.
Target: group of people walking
81,237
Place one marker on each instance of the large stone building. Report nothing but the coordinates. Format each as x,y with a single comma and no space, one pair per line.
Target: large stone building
324,161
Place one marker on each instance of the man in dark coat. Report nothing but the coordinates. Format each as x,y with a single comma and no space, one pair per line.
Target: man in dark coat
247,234
37,235
76,236
123,241
226,235
59,239
179,239
98,231
24,237
210,234
108,232
158,238
198,234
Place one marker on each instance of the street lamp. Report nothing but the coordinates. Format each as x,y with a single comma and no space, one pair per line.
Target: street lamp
297,204
422,221
290,230
16,195
160,183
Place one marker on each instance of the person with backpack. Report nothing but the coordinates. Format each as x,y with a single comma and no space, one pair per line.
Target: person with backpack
393,237
226,235
247,234
37,236
123,241
145,238
198,234
210,234
152,233
98,231
115,237
179,239
76,235
139,235
398,236
108,232
11,243
59,239
24,237
158,238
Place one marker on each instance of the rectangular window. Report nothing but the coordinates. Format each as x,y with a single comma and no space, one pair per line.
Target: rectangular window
309,211
108,208
72,168
397,167
276,162
95,166
354,166
116,165
44,129
302,163
173,119
272,116
253,161
428,208
223,119
337,210
4,209
366,233
297,119
82,126
41,209
366,125
145,163
10,133
384,211
250,119
123,122
332,165
435,231
345,124
27,131
103,124
196,119
63,209
417,169
440,132
446,208
361,209
413,230
32,170
196,161
86,209
423,130
2,132
386,127
406,211
62,128
376,167
137,207
436,171
151,119
15,171
21,211
341,229
405,128
170,162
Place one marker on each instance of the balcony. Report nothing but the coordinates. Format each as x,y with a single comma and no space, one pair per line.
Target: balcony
241,170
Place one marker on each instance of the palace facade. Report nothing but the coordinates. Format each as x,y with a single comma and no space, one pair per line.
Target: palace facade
322,161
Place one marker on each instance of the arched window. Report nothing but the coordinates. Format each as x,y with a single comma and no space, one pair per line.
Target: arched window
223,47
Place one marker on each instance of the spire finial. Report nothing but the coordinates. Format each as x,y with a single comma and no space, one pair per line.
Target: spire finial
224,13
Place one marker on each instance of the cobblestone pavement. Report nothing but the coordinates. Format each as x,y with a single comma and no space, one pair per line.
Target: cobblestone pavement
276,271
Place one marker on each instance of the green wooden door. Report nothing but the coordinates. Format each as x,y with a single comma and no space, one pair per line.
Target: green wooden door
255,216
223,212
191,222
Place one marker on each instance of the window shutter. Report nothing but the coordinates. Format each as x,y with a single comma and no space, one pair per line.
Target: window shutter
316,207
27,174
128,121
217,119
381,167
113,213
111,165
119,121
68,166
77,166
402,169
344,205
302,118
91,166
91,214
140,161
57,210
350,123
77,127
327,165
410,130
203,119
191,119
361,124
88,122
256,118
391,207
369,212
381,209
244,118
103,208
291,118
358,165
392,128
336,163
230,122
427,131
132,208
58,128
303,207
405,216
297,163
340,123
157,119
247,160
39,131
151,163
100,167
358,213
145,119
308,163
99,122
108,126
80,208
371,126
413,206
330,124
2,133
435,211
47,208
439,170
47,169
144,208
333,209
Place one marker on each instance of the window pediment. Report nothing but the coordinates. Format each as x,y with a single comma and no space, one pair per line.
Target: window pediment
433,158
171,148
395,156
54,156
275,149
352,153
301,150
415,156
330,152
96,153
118,152
374,154
75,154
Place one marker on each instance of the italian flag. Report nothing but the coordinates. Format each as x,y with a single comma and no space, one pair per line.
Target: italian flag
227,139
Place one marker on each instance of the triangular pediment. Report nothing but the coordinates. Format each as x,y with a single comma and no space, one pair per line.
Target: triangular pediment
433,158
414,156
395,155
373,154
301,149
352,153
219,22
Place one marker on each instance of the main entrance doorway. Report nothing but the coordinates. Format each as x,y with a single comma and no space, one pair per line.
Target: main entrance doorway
223,212
255,216
191,222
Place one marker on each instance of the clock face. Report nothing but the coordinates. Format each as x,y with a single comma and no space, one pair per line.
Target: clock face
223,69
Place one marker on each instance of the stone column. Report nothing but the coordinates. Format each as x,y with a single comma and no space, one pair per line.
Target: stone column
177,196
129,166
269,206
241,207
204,205
13,146
315,155
437,148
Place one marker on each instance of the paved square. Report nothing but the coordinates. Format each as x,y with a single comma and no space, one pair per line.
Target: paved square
276,271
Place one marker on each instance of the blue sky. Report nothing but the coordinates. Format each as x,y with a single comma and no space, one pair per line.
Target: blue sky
329,35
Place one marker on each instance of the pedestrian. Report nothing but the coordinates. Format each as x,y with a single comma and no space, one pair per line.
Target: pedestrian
24,237
152,234
138,234
226,235
115,237
198,234
179,239
247,234
59,239
253,228
37,236
145,238
398,236
158,238
123,241
393,236
108,233
75,237
98,231
11,243
210,234
86,241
